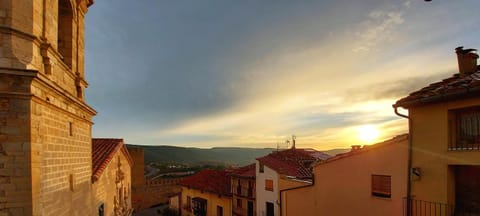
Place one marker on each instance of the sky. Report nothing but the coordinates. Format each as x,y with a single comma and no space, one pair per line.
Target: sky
225,73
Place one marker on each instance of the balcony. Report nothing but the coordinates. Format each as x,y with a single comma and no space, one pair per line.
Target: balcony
244,192
427,208
239,211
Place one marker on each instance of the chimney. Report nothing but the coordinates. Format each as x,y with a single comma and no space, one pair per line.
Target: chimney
467,61
356,147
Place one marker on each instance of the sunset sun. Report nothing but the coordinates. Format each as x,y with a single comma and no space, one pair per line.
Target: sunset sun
368,133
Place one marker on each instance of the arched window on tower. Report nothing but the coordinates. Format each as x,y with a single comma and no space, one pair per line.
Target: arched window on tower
65,31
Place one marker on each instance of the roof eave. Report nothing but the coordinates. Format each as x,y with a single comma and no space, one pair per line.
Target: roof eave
468,93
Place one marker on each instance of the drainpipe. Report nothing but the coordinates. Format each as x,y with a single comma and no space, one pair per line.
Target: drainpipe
409,184
303,186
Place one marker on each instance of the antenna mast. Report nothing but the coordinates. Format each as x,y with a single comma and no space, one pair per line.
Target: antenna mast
293,141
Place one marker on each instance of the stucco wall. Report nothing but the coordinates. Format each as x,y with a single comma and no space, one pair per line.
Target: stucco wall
213,200
343,187
430,137
105,188
263,195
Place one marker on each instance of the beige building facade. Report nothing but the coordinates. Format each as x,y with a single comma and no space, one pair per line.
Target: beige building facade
45,124
444,120
206,193
243,191
347,184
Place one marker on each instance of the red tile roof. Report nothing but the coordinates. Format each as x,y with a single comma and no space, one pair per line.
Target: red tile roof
244,172
292,162
214,181
396,139
453,88
103,150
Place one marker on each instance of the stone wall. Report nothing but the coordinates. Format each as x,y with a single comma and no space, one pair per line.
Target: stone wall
15,159
105,189
45,124
138,176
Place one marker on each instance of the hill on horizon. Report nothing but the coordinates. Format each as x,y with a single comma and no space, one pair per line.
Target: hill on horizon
229,156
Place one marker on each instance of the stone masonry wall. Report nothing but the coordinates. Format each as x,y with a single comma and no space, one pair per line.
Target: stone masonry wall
15,170
61,149
45,125
104,188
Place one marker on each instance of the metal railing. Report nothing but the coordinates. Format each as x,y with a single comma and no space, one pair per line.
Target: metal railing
414,207
244,191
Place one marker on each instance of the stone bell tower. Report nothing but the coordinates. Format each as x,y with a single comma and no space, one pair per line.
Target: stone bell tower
45,124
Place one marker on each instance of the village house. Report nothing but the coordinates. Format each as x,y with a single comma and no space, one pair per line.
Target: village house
444,153
281,170
365,181
207,192
243,190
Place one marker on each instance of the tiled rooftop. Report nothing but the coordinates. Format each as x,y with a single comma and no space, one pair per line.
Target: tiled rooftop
214,181
455,87
293,162
103,150
244,172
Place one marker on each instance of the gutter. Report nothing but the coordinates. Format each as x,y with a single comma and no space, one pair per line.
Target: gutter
294,188
409,183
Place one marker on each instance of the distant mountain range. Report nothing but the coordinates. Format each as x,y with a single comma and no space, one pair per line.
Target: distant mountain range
212,156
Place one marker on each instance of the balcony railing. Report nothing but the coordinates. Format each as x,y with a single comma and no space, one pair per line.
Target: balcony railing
427,208
413,207
239,211
244,192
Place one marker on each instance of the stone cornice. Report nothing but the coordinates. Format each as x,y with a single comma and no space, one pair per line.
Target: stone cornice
42,79
52,85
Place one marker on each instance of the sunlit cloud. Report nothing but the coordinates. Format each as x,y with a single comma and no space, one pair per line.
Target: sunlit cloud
312,70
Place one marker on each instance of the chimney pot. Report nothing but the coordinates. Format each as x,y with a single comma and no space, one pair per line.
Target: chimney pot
356,147
467,61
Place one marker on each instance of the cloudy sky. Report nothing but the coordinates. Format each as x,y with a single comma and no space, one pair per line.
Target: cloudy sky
252,73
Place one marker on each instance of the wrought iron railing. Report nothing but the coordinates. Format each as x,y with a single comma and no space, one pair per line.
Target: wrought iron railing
244,192
414,207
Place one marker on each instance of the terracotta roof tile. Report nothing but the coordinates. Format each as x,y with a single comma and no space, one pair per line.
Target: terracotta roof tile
293,162
103,150
455,87
245,172
214,181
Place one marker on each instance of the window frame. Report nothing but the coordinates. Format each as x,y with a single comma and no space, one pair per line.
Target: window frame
267,188
378,187
457,142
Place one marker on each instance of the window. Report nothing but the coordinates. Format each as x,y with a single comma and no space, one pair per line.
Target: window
465,131
219,211
239,203
70,128
189,203
239,188
101,210
268,184
260,168
65,31
381,186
